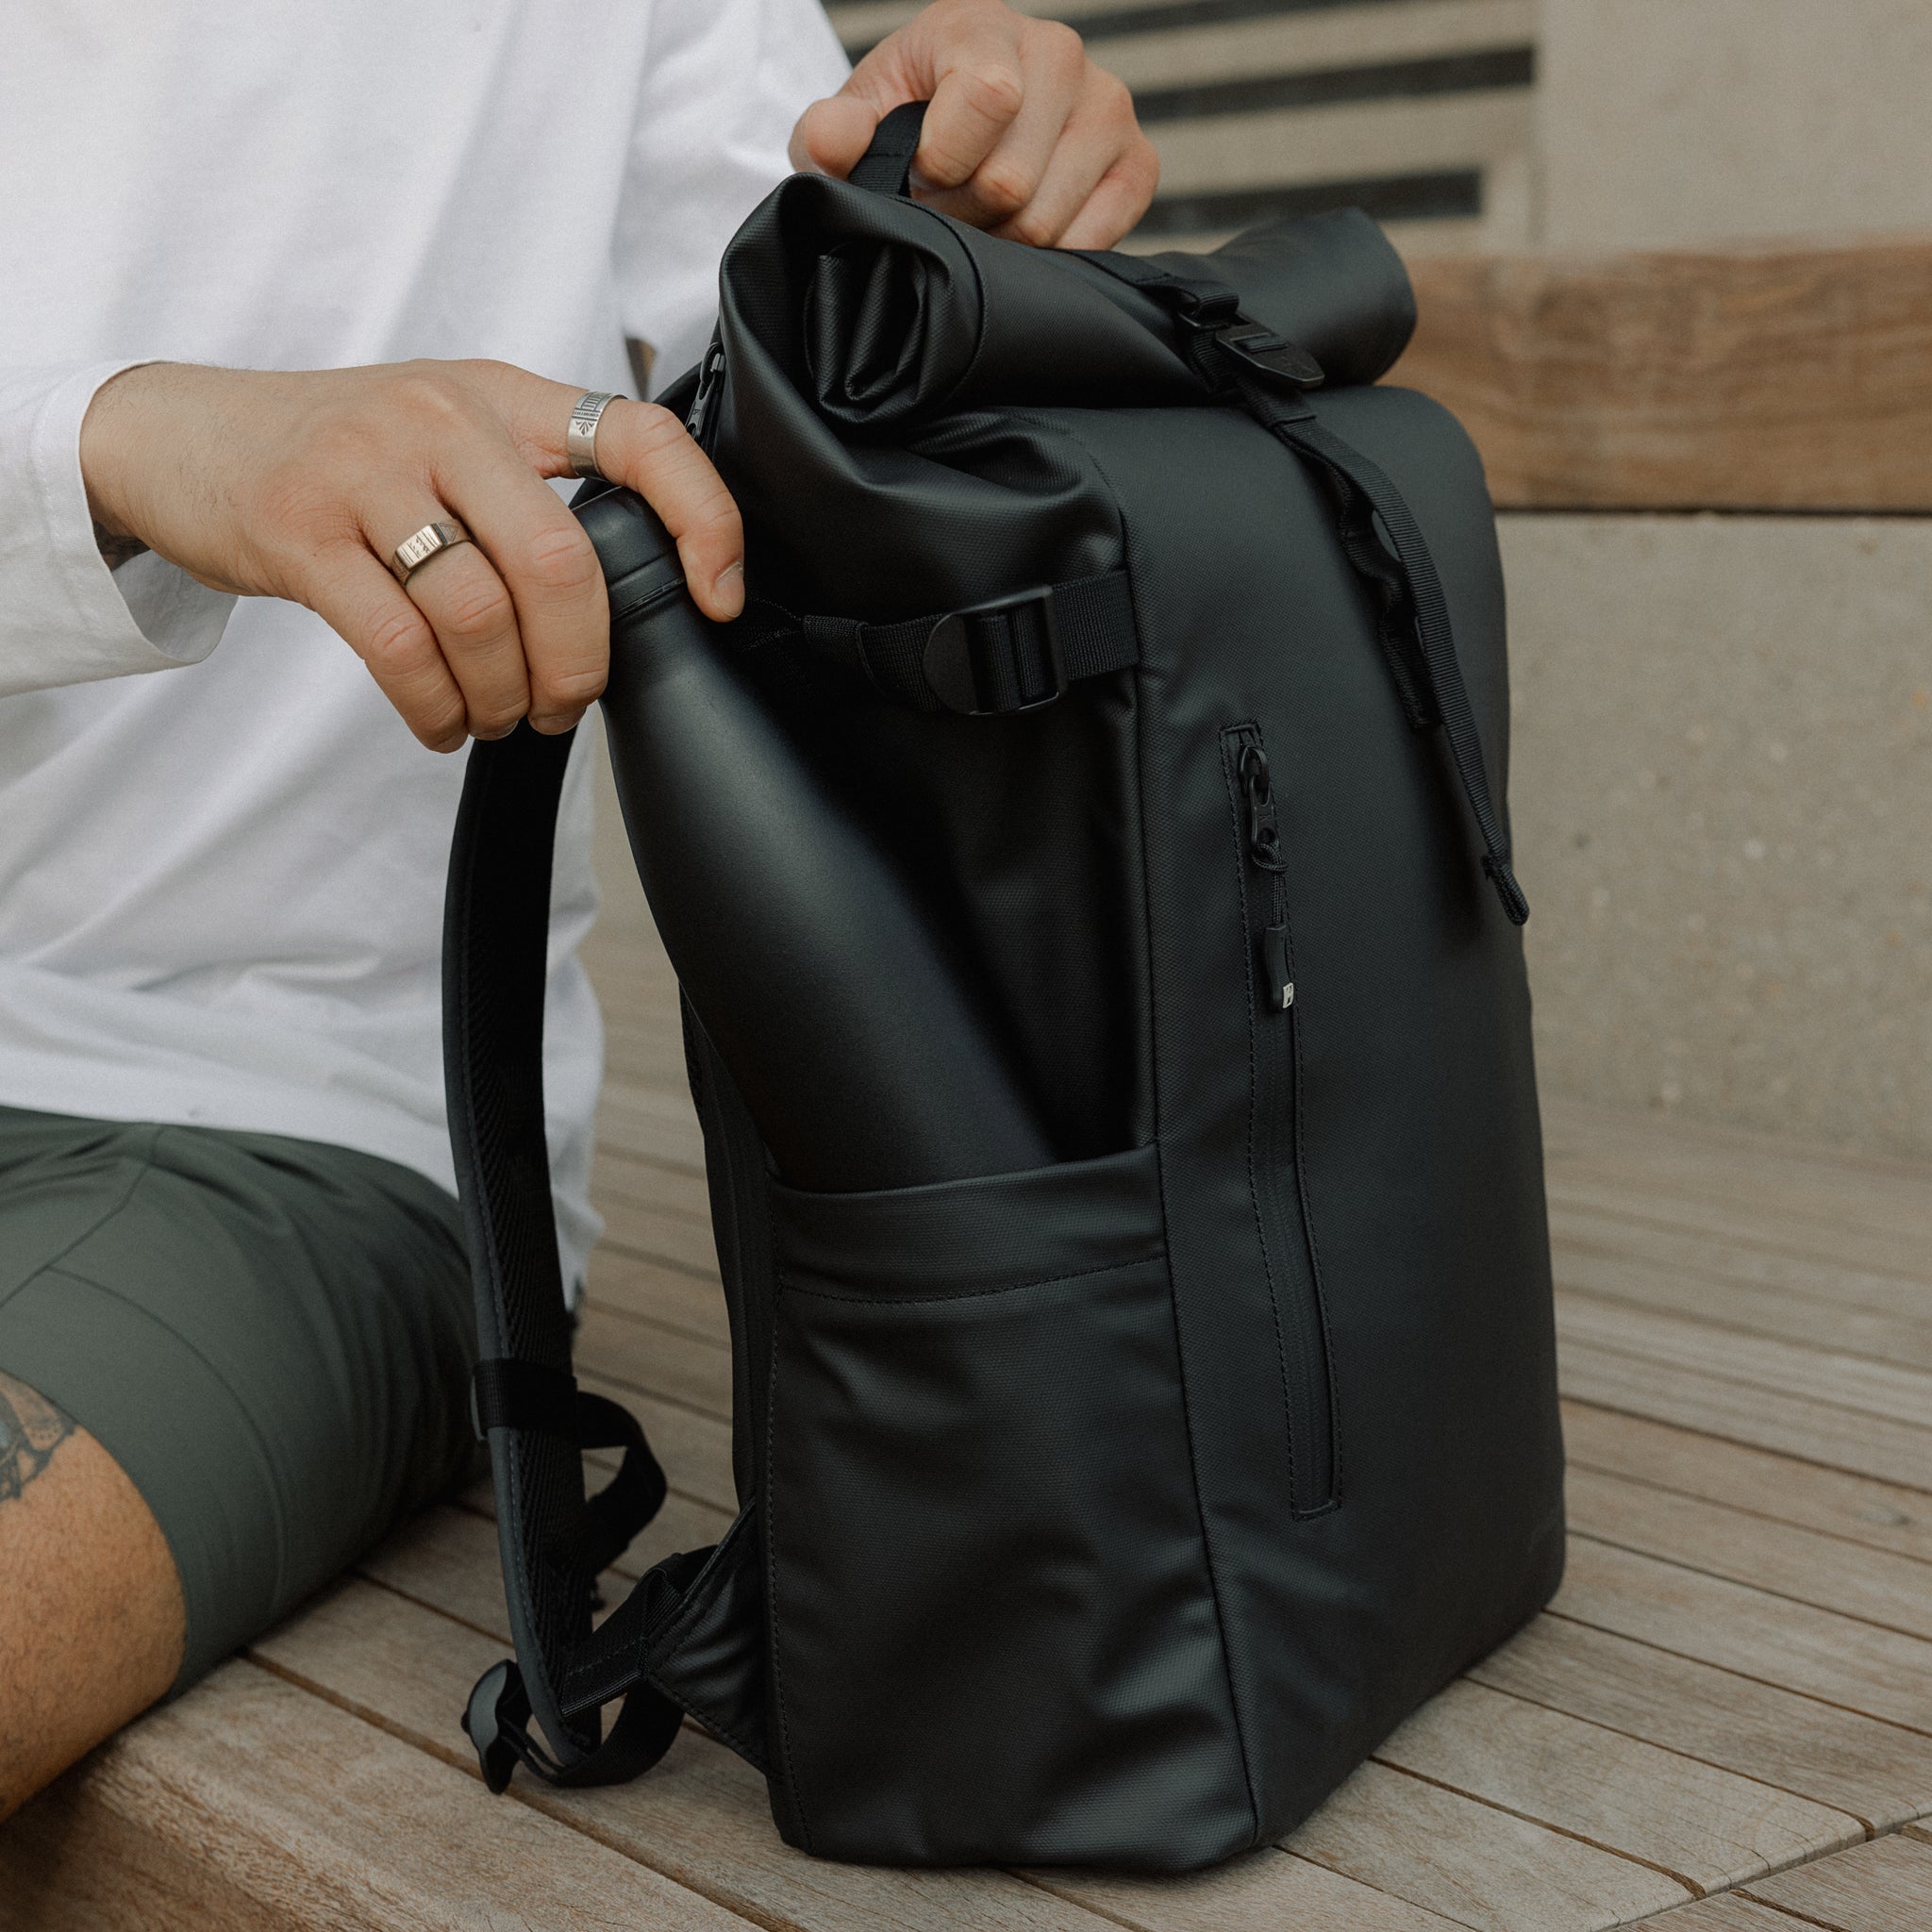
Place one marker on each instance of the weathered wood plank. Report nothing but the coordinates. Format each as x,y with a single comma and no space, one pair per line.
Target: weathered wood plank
647,1355
1853,1507
1267,1889
1709,1828
1473,1863
1874,1585
1787,1182
1883,1887
1665,381
301,1816
643,1184
1690,1244
652,1235
1847,1381
700,1818
1730,1625
1867,1445
650,1124
653,1293
1599,1271
1729,1913
1874,1772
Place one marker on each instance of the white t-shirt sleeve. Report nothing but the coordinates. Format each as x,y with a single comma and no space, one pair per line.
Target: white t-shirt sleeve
65,618
725,82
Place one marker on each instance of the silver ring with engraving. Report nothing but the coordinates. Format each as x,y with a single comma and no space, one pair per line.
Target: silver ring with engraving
581,438
413,553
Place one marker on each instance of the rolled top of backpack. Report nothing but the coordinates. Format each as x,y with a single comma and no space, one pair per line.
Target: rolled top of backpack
891,313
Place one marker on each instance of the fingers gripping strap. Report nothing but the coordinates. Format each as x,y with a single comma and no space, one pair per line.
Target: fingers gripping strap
495,944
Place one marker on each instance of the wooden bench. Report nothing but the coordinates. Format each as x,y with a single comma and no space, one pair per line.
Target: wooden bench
1730,1702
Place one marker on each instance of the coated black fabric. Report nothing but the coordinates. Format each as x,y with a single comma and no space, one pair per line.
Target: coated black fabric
1115,1067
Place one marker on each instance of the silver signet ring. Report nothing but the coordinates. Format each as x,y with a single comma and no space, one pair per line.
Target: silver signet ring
413,553
581,438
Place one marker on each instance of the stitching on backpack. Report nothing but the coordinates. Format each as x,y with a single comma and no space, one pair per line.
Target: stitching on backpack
964,1295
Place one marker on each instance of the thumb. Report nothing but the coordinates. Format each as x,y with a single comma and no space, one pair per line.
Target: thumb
834,133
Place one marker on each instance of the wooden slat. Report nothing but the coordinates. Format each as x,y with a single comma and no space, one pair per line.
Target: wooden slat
652,1235
651,1123
1850,1507
655,1360
1707,1827
1826,1656
1873,1585
1604,1269
1738,1248
1770,379
1719,1406
1850,1382
1884,1886
277,1809
651,1291
1873,1771
1268,1889
670,1193
1786,1182
1726,1914
1473,1863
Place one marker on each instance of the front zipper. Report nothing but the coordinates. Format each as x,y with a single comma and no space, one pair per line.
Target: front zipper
1275,1171
702,423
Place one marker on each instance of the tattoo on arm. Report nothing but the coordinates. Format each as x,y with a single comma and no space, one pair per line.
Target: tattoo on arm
116,550
31,1428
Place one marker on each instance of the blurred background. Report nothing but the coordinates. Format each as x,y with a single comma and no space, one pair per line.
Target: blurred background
1674,262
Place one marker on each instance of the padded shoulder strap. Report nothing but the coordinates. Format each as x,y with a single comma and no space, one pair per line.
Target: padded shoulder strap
526,1400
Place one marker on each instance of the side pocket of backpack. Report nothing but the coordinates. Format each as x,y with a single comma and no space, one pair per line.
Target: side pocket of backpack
993,1634
1275,1126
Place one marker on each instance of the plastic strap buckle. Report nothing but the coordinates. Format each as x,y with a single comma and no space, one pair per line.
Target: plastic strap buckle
997,658
1270,356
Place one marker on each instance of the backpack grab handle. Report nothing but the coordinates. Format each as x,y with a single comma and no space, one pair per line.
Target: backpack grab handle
886,166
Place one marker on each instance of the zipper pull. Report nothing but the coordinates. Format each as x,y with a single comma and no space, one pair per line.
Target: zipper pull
1280,988
1264,826
710,378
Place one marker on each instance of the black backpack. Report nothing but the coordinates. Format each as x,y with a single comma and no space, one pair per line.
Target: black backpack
1150,661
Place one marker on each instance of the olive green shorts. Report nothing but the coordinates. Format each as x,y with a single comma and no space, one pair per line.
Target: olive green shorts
272,1337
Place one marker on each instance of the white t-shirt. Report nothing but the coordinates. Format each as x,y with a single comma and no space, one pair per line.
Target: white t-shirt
221,887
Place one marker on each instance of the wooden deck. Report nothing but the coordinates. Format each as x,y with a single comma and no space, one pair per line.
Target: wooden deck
1725,1719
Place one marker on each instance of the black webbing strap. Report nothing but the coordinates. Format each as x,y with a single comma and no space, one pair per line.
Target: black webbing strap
526,1403
1245,362
1365,496
886,167
993,659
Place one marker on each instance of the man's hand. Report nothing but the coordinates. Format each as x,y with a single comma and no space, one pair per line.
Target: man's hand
1024,137
301,486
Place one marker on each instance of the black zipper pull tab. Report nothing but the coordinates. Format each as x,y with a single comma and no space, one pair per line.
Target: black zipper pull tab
1265,826
1274,979
710,379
